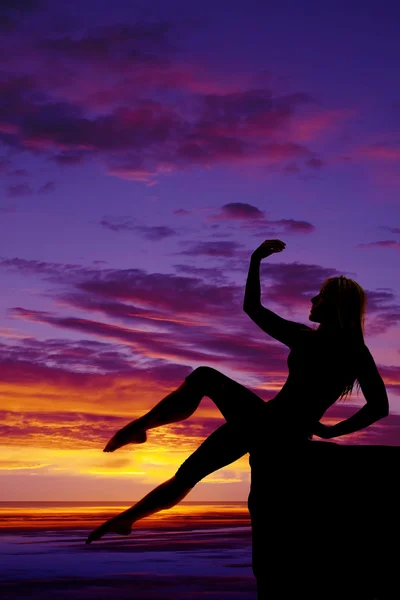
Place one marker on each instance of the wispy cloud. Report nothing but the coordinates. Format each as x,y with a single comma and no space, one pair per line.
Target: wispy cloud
380,152
18,190
381,244
47,188
255,220
152,233
111,105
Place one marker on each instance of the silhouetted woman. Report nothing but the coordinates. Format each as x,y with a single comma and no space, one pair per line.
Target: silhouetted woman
324,364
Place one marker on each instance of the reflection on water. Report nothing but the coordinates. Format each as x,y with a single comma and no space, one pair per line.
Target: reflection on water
194,549
37,516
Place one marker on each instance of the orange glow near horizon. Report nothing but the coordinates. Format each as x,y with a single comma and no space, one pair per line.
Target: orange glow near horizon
86,517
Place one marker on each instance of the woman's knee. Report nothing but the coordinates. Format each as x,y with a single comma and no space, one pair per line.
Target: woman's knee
204,372
186,477
206,377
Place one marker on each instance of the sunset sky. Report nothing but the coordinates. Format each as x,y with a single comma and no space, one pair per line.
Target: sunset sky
146,149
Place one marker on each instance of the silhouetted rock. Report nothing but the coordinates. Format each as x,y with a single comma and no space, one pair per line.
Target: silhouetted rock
325,521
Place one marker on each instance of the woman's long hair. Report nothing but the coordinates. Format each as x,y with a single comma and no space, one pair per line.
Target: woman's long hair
351,302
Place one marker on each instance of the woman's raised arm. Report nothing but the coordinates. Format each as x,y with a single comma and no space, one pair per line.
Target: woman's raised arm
252,294
280,329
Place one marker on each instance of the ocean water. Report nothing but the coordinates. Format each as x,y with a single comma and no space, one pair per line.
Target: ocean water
193,550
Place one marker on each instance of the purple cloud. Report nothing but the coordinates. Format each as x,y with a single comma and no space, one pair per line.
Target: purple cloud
92,356
226,249
315,163
108,114
12,12
241,210
291,225
250,215
47,188
7,209
116,44
182,212
289,285
391,229
153,233
157,308
18,190
68,158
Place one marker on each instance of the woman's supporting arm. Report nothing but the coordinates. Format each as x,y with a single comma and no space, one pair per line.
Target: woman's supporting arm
376,408
367,415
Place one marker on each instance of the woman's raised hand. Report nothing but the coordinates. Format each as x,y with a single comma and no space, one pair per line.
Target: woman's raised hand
267,248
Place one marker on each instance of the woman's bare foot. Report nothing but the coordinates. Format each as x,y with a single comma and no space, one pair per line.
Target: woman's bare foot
129,434
117,524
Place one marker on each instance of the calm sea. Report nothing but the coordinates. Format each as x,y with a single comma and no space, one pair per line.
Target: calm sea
195,550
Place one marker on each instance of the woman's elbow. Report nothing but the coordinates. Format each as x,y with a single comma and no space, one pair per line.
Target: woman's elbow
382,409
251,307
385,410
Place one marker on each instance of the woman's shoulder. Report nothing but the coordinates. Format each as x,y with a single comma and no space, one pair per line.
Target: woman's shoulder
303,335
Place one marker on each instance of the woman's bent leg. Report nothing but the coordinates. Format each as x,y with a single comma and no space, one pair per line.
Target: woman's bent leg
221,448
234,401
166,495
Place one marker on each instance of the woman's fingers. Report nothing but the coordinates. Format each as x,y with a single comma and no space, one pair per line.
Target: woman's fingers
274,242
268,247
274,245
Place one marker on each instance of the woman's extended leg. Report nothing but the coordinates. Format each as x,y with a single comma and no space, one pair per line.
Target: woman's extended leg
233,400
226,445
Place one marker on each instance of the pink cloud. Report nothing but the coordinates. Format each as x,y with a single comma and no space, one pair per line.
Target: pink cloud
381,152
156,308
163,295
309,127
148,344
381,244
8,128
151,137
92,356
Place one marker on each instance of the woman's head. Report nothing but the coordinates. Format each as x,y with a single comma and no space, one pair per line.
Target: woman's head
341,303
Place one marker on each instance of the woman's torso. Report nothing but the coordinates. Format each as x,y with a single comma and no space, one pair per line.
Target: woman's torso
319,368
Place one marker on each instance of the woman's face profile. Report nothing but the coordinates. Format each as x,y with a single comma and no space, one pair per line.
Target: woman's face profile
323,304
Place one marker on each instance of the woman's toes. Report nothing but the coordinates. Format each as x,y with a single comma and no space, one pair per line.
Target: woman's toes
116,525
109,447
97,533
122,438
